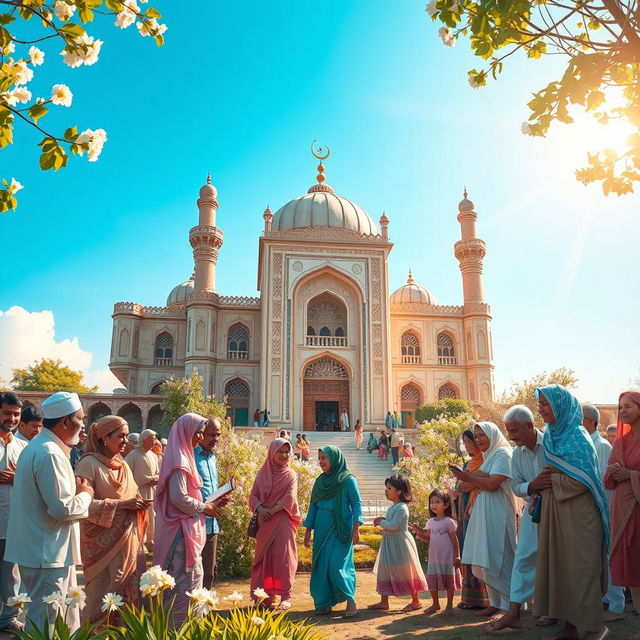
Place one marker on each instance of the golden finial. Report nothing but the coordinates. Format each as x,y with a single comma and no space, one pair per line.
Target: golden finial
321,154
465,191
208,177
410,278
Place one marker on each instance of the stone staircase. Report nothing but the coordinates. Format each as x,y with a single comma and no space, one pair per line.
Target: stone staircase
369,470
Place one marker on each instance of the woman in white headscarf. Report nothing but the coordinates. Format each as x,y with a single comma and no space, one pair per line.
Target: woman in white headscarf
490,540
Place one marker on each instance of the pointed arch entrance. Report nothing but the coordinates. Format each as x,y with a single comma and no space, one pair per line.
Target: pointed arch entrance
326,394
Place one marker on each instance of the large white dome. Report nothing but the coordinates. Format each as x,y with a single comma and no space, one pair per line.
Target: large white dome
321,207
411,292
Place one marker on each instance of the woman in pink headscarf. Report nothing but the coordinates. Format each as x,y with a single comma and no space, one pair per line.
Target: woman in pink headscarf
275,497
623,476
180,531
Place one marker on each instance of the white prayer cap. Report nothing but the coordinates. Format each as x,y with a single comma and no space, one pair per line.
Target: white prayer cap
61,404
163,441
133,437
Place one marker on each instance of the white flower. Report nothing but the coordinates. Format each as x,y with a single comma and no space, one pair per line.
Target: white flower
431,8
56,599
447,37
10,48
260,593
36,56
526,129
22,73
76,597
204,601
61,95
17,94
71,58
155,580
234,598
473,82
89,49
96,140
22,598
257,620
14,187
111,602
63,10
128,15
151,28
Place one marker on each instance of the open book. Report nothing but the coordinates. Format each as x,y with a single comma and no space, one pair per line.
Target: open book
224,490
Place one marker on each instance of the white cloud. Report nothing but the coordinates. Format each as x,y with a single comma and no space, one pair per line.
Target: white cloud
26,336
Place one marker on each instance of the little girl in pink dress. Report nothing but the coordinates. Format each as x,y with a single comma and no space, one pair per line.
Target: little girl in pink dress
443,568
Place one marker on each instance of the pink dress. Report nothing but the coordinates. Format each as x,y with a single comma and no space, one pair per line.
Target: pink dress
441,574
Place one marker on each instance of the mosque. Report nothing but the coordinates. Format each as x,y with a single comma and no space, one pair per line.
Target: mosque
324,334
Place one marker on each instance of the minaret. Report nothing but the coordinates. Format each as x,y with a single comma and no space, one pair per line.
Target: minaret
206,239
470,251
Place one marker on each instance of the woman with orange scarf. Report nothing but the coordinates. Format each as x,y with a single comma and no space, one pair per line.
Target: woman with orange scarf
474,593
623,476
112,536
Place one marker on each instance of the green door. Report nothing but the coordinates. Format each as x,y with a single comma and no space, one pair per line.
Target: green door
241,417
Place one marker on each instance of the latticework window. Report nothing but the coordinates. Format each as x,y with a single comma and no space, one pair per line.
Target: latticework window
238,342
447,391
410,344
410,397
164,349
324,312
325,368
236,389
446,352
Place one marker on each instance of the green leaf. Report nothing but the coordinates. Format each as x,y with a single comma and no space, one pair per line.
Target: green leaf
5,38
153,13
37,111
86,15
71,134
72,29
5,18
594,100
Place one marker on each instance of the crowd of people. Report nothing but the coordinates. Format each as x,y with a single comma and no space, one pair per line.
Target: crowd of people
551,522
388,441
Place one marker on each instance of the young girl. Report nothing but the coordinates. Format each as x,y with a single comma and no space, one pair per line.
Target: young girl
444,551
397,567
305,448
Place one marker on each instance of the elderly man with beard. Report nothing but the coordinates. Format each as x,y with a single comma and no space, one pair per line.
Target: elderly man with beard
10,449
43,535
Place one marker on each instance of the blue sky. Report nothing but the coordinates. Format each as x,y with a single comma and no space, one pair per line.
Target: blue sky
241,89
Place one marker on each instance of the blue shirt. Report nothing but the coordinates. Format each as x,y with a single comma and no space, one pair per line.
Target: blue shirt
206,465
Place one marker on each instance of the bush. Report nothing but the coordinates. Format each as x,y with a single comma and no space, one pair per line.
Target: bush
448,407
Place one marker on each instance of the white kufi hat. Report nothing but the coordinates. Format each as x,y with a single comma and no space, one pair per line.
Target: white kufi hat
61,404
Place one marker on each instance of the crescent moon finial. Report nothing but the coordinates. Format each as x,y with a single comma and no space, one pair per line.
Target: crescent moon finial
319,152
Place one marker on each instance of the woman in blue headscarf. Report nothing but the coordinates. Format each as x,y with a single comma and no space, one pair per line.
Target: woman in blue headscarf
335,516
573,534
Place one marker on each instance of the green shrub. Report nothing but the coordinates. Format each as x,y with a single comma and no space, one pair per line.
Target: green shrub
447,407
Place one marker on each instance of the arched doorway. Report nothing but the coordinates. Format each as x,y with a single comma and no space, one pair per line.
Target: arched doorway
237,394
326,394
410,398
133,415
97,411
154,420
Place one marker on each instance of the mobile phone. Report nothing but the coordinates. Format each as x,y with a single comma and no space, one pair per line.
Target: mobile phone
454,468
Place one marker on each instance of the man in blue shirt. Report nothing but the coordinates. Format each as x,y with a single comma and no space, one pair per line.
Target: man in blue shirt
206,464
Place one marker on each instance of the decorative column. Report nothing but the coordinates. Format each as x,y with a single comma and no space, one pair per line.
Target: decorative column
384,226
268,218
206,239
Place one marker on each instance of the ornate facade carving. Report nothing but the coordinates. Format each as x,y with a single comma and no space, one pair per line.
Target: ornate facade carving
324,234
325,368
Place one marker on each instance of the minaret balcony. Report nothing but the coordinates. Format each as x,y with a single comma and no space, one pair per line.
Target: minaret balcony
406,359
447,361
238,355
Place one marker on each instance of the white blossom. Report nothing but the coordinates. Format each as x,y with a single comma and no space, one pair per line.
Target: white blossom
71,58
234,597
431,8
473,81
446,36
257,620
22,73
22,598
56,599
155,580
63,10
151,28
18,94
14,187
90,48
128,15
111,602
526,129
61,95
76,597
36,56
204,601
260,593
10,48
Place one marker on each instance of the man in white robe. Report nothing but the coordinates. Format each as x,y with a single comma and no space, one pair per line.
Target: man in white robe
145,466
344,421
43,536
527,464
614,597
10,449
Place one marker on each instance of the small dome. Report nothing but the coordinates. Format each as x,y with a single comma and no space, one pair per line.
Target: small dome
179,294
465,204
208,190
323,208
412,292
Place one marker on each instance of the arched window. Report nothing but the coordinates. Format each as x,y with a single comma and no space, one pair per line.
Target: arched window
340,332
238,342
164,350
482,344
325,331
410,397
410,348
327,322
311,331
200,335
447,391
123,346
446,353
156,390
472,391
